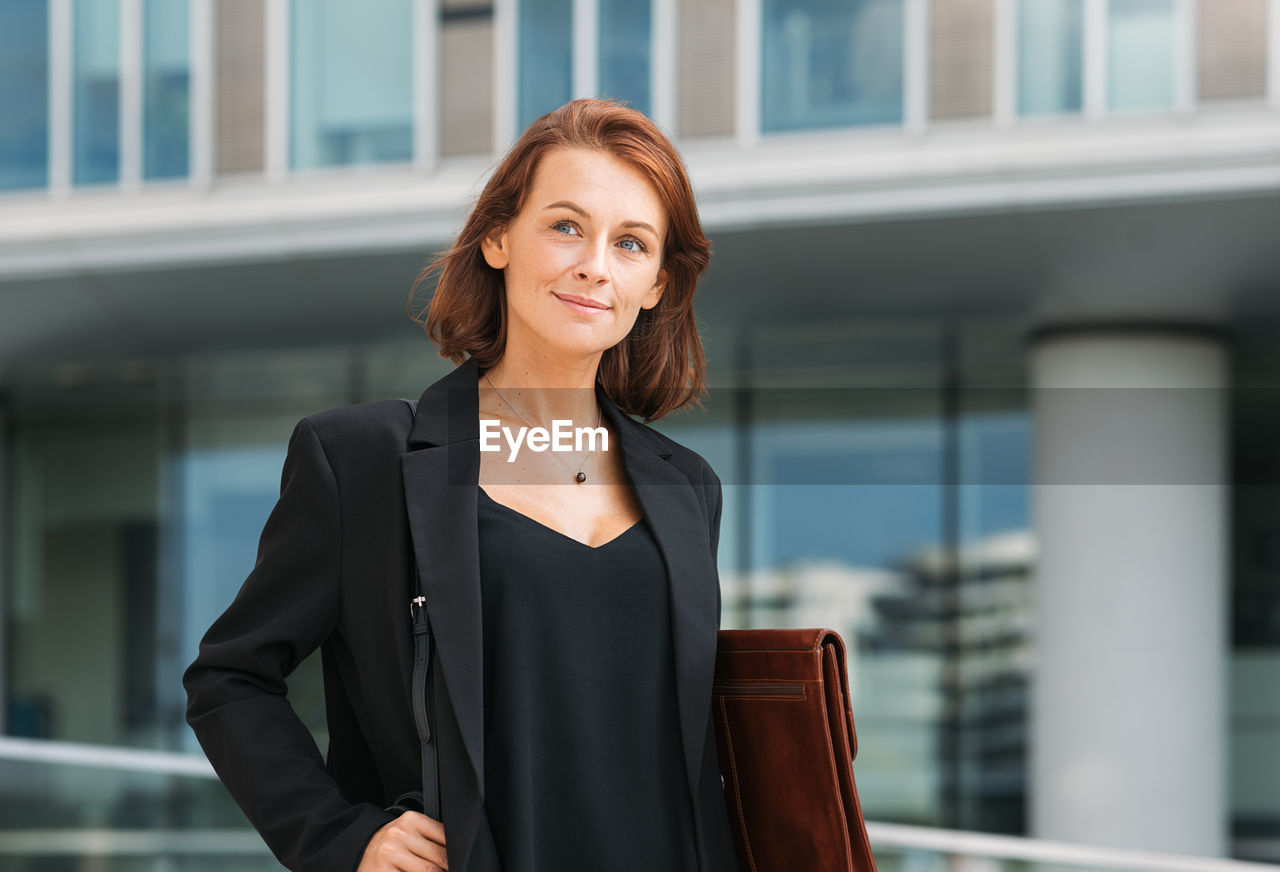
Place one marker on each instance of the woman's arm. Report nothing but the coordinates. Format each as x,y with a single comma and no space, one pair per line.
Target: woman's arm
236,686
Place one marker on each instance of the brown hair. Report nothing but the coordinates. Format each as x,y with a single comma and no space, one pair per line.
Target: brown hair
659,366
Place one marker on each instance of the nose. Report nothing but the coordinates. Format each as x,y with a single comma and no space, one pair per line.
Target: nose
593,267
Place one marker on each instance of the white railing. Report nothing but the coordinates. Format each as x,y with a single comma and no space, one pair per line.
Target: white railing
965,844
99,842
131,843
104,757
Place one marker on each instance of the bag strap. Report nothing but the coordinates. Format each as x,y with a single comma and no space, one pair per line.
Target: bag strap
422,717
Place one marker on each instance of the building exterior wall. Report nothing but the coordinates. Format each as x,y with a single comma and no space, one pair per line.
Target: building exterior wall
238,61
898,192
961,63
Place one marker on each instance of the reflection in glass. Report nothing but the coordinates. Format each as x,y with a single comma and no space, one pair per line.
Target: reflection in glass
96,92
994,610
880,511
625,35
351,98
24,94
166,89
903,524
1050,56
545,67
1140,42
827,63
227,492
73,805
85,530
845,514
35,795
148,523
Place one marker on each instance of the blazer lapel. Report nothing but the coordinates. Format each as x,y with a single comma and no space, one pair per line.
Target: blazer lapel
441,472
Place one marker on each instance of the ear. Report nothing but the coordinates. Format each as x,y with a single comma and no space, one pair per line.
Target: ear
494,248
654,294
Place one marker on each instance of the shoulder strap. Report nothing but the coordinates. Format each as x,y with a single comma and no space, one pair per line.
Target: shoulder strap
421,674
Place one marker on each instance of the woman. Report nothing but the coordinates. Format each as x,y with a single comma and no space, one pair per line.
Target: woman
572,595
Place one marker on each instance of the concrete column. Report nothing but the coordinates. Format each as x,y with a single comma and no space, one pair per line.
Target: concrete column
1130,512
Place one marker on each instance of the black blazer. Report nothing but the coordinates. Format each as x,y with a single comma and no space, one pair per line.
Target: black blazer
364,500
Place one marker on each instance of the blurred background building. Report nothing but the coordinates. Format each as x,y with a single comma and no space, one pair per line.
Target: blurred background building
992,324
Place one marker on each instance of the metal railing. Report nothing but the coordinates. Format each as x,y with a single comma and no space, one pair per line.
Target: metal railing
244,842
966,844
105,757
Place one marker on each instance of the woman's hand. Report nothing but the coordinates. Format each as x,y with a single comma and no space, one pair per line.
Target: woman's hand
412,842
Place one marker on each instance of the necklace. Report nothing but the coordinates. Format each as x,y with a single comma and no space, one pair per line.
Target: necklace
579,476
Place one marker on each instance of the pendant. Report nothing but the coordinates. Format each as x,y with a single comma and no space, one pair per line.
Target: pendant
581,476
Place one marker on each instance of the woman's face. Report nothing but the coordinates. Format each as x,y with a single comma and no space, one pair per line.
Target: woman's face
584,255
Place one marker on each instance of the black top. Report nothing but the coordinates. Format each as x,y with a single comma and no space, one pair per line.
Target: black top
583,762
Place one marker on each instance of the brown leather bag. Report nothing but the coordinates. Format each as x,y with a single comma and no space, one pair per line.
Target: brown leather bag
785,739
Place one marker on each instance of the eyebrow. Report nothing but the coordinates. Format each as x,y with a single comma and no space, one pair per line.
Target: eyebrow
574,207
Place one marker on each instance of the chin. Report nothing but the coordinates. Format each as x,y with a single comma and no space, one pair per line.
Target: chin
584,344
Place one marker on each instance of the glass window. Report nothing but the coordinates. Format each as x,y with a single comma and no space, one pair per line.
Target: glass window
166,89
994,606
57,817
845,520
625,38
24,94
1050,56
862,496
96,83
352,83
1140,42
545,57
1254,714
228,478
86,522
827,63
134,498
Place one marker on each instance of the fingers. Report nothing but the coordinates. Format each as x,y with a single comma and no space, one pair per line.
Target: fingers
426,838
412,842
427,827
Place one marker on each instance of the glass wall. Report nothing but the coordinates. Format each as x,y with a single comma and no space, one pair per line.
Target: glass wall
545,58
78,818
830,63
881,489
625,38
141,500
96,92
166,90
226,478
1254,716
545,55
873,498
1050,56
142,506
86,533
991,680
351,97
1140,58
24,94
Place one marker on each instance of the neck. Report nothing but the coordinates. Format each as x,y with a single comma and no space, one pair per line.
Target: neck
543,389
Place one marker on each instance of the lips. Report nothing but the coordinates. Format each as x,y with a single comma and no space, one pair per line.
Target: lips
582,304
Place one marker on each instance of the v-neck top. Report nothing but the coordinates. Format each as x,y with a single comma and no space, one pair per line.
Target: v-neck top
584,767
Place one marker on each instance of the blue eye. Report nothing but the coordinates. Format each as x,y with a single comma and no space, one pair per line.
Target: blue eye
562,224
636,244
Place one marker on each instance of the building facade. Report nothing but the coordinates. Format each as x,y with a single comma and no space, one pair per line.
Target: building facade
991,323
